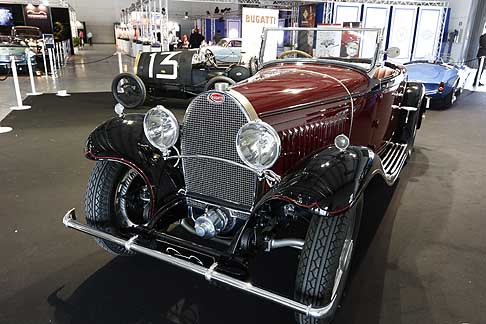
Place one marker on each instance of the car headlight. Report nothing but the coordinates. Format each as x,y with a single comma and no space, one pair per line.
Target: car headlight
258,145
161,128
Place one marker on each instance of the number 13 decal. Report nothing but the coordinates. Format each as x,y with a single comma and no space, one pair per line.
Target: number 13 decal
166,62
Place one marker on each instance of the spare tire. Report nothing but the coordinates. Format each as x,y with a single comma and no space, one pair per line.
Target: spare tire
129,90
239,73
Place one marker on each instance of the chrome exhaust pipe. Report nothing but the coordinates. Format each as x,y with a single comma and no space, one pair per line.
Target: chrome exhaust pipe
210,273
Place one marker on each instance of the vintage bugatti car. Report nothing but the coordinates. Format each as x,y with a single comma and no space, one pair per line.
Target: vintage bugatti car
227,50
166,74
443,82
293,147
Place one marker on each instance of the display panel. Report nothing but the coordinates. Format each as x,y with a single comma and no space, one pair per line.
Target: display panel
331,43
347,12
253,21
428,33
38,16
402,30
374,17
6,17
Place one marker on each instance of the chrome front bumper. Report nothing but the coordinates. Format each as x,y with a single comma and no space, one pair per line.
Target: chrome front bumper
210,273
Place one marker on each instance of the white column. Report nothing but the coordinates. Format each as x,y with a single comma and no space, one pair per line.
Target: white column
44,59
51,61
19,106
29,55
480,70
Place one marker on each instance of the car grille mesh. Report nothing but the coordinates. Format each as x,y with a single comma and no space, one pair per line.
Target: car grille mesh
210,129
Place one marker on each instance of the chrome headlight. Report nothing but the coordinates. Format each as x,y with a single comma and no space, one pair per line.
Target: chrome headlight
161,128
258,145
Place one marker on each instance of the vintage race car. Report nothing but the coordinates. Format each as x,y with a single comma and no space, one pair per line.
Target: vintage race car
8,49
165,74
280,160
443,82
227,50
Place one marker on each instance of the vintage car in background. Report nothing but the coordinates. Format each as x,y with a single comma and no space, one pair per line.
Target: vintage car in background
166,74
443,82
283,159
8,49
32,37
226,51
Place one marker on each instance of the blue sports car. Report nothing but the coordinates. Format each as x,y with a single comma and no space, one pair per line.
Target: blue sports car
443,82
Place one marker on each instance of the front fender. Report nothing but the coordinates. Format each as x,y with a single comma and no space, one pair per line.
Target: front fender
330,181
122,139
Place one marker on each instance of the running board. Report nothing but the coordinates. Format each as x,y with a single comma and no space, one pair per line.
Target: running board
393,158
210,273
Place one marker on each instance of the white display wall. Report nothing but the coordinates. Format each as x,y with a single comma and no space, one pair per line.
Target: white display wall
416,30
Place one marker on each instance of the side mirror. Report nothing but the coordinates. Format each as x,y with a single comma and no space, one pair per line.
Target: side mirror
393,52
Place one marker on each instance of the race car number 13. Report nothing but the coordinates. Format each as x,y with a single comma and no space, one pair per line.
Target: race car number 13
166,65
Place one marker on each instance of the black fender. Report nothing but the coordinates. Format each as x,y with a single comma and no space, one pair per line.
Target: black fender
414,97
122,139
330,181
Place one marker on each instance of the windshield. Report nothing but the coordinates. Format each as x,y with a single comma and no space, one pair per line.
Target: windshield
222,43
357,46
27,32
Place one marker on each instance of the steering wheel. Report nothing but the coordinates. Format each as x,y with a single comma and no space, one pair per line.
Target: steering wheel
298,52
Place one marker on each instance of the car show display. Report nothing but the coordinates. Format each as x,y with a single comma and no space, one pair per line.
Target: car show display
225,184
165,74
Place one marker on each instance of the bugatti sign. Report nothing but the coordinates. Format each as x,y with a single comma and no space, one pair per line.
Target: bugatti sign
254,19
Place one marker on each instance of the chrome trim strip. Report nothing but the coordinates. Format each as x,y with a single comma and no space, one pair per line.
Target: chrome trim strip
245,103
69,221
289,242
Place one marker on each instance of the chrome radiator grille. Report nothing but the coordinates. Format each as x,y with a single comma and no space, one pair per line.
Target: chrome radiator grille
210,129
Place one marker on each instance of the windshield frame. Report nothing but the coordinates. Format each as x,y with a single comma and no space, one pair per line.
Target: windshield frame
376,60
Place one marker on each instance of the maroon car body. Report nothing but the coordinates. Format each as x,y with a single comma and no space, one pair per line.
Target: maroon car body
295,145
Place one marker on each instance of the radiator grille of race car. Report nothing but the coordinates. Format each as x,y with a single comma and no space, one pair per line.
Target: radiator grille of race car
210,127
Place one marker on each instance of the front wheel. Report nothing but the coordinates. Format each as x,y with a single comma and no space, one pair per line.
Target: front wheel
325,260
116,198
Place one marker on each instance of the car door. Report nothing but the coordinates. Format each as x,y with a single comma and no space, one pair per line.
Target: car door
235,47
385,116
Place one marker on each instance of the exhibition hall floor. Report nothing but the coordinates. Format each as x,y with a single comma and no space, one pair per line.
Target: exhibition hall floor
421,257
75,76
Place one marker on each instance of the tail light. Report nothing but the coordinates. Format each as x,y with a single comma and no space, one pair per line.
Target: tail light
441,86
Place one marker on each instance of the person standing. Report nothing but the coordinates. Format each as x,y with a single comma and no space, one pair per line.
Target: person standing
81,38
195,39
481,53
217,37
90,38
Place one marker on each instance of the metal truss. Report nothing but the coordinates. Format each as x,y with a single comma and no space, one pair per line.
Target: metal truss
52,3
443,21
421,3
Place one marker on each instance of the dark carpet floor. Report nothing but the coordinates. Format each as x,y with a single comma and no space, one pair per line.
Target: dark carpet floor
421,257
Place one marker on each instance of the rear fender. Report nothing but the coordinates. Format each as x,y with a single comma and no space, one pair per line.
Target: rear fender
329,182
122,139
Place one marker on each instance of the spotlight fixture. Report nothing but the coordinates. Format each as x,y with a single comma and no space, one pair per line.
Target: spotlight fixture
163,11
208,13
186,16
216,10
